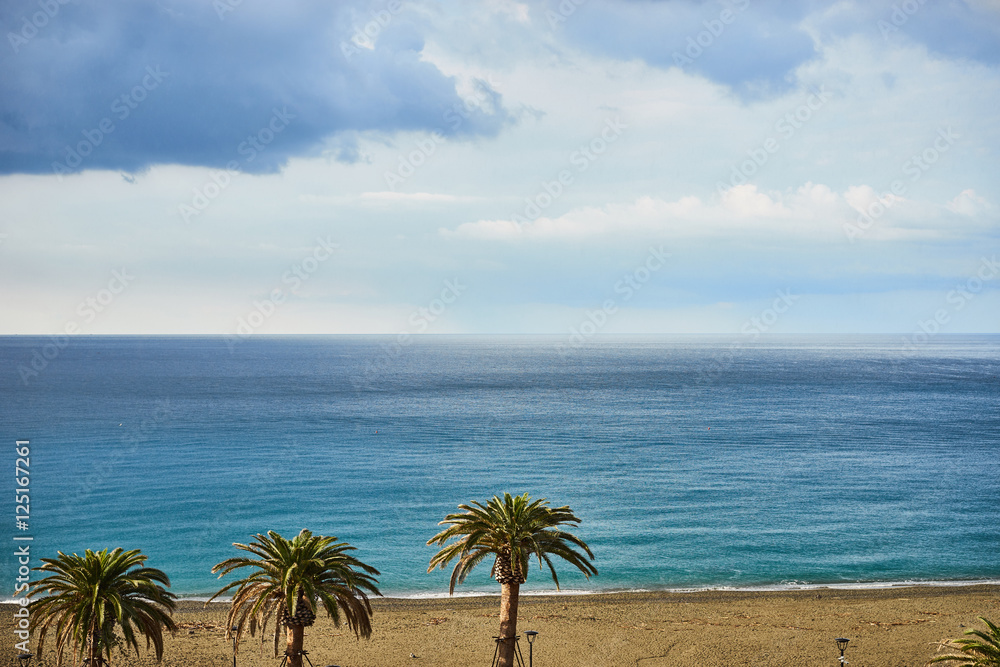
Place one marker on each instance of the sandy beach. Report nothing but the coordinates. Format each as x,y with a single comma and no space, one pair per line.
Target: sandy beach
887,627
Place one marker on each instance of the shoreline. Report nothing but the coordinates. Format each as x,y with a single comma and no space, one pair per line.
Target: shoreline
887,627
764,588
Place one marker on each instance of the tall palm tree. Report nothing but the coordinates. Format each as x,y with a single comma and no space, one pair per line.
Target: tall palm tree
87,597
512,529
294,575
983,651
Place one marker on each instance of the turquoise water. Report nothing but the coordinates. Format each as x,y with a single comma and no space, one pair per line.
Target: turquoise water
693,461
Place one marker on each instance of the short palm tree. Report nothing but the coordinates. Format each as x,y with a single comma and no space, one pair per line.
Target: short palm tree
87,597
512,529
983,651
290,577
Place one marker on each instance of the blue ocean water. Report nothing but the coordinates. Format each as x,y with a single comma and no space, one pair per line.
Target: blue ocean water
693,461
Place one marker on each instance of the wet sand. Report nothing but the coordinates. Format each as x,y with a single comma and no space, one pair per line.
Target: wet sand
887,627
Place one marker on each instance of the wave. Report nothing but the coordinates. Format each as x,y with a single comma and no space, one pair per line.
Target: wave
783,586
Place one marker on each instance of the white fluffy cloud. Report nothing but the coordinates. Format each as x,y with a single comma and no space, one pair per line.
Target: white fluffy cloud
969,203
812,211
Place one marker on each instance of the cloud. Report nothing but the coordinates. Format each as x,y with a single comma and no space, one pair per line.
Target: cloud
811,209
968,30
969,203
127,85
755,47
751,47
385,199
812,212
518,11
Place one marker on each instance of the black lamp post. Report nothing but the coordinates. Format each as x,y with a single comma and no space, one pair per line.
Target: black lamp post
235,629
842,644
530,634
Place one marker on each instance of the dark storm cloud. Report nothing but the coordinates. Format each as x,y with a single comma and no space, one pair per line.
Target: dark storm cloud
133,84
754,46
960,30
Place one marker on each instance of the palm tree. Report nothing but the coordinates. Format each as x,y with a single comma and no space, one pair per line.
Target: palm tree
294,575
87,597
512,529
984,651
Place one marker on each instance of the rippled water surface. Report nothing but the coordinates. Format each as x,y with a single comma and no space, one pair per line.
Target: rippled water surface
693,461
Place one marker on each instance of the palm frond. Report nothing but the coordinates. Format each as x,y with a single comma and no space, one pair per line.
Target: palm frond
310,570
514,525
86,599
979,648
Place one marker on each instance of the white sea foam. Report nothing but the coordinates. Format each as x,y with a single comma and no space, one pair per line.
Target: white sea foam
784,586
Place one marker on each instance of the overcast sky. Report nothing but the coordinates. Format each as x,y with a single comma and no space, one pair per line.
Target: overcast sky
600,166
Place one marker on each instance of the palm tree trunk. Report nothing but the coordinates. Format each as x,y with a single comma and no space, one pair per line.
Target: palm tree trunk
93,648
293,648
509,594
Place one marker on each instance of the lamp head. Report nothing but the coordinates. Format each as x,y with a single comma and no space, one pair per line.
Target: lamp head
24,659
841,642
531,634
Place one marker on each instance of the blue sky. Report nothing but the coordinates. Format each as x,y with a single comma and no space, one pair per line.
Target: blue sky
243,167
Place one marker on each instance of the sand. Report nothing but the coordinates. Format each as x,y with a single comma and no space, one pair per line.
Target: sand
887,627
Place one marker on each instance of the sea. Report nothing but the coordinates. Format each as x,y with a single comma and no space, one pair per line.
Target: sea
693,462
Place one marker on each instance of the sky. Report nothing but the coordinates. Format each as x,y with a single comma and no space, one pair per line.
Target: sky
573,167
